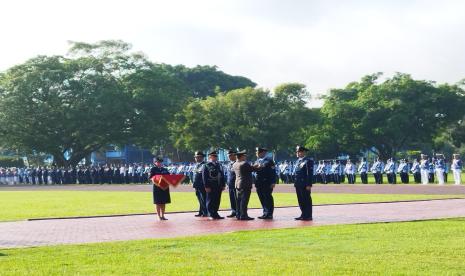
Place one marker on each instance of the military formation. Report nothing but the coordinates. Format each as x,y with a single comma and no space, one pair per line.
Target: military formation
210,179
100,174
423,171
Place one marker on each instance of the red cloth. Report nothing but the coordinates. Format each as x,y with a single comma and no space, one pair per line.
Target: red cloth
165,180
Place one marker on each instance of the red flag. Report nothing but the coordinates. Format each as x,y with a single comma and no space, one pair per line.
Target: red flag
165,180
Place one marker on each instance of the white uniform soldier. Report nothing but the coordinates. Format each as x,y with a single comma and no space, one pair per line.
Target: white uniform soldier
439,166
456,168
350,172
424,169
363,170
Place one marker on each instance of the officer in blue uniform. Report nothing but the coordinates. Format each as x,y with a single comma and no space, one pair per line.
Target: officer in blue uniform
363,169
390,170
377,170
198,185
265,182
416,171
303,173
231,181
214,183
403,171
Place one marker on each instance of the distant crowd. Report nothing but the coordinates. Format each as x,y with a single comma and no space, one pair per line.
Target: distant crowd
424,170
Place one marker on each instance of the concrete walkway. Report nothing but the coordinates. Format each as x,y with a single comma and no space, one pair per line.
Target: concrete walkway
89,230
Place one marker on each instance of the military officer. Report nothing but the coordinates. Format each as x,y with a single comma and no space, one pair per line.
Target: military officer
363,169
431,163
377,170
320,172
350,172
403,171
335,168
456,168
214,183
416,171
424,169
265,182
303,173
198,184
231,180
439,167
390,171
243,183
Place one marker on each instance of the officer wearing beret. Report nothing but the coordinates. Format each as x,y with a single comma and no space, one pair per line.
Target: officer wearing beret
303,173
230,180
198,184
265,182
214,183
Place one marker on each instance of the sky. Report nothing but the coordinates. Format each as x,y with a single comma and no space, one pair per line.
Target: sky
323,44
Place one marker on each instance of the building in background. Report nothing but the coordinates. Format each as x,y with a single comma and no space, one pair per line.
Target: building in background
126,155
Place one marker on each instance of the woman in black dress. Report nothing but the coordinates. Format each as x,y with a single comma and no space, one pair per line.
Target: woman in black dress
160,197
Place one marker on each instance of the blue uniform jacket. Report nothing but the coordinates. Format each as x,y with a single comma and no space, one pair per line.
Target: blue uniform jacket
197,178
303,172
213,176
266,174
230,175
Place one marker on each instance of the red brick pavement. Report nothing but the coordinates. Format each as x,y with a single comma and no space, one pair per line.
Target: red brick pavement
88,230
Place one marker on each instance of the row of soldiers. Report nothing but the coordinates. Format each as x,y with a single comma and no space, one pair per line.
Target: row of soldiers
423,170
99,174
341,171
326,171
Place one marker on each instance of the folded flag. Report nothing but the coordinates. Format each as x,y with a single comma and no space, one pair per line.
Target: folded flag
165,180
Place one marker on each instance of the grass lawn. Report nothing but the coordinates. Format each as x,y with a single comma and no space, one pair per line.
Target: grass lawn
434,247
19,205
371,179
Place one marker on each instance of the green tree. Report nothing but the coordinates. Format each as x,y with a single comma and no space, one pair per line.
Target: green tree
394,115
242,118
156,97
204,81
67,106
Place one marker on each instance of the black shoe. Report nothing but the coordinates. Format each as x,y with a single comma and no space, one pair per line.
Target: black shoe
299,218
268,217
217,217
231,215
198,215
246,218
262,217
307,219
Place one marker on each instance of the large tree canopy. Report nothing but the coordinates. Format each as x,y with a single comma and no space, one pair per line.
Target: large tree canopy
103,93
243,118
394,115
98,94
204,81
59,105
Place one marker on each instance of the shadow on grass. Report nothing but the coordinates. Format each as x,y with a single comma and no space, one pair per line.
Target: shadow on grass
3,254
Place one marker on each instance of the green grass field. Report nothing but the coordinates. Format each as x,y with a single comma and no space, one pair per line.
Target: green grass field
19,205
371,179
434,247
